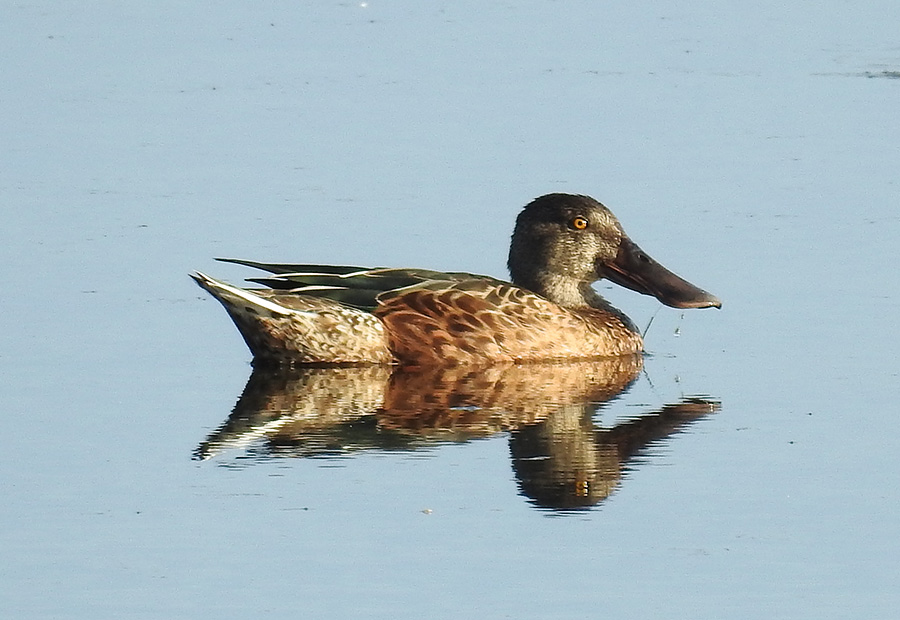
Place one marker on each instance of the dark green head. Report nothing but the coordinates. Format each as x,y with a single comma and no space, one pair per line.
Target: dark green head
562,243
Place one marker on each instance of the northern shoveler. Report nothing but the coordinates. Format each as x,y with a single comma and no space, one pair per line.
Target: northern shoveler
562,243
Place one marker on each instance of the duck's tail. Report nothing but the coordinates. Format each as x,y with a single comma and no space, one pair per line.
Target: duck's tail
284,327
233,297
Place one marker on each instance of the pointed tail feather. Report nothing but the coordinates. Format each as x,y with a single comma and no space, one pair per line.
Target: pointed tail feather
233,296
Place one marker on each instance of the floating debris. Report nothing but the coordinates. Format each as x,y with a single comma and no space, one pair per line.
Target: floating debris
891,75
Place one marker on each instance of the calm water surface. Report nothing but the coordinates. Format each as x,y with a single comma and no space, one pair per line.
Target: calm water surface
745,468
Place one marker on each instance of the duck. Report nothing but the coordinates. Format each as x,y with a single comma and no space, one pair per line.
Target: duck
548,310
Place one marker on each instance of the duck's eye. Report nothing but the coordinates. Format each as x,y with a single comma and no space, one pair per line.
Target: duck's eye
578,223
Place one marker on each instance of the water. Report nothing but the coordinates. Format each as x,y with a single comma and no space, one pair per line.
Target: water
752,151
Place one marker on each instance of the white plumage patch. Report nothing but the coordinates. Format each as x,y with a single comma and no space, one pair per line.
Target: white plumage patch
221,289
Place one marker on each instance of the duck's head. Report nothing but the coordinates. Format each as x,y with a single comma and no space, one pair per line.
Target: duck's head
563,243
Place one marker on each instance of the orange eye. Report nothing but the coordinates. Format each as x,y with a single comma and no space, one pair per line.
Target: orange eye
579,223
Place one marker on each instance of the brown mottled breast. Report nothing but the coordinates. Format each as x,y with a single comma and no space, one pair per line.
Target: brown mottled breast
487,322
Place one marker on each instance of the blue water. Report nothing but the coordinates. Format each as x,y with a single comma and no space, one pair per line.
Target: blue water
753,150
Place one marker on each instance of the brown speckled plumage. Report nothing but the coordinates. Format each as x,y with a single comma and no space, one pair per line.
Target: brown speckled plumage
561,244
498,322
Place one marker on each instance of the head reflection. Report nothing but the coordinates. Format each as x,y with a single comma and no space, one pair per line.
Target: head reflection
567,463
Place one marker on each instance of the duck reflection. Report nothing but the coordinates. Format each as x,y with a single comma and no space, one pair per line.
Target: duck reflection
562,458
